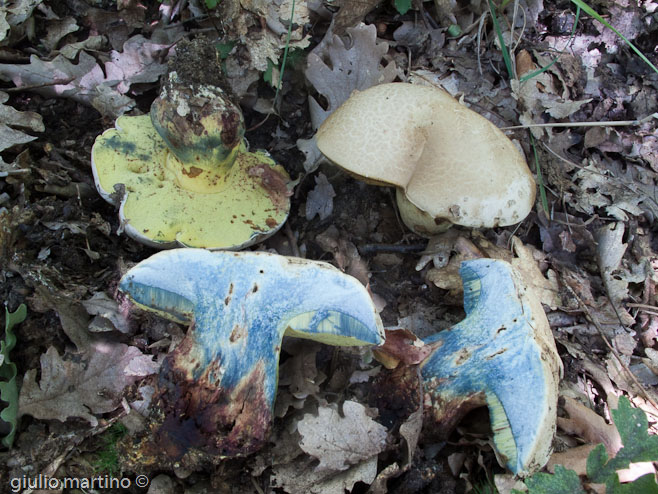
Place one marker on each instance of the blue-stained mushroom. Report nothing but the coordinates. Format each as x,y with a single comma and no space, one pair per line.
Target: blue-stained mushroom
502,355
216,390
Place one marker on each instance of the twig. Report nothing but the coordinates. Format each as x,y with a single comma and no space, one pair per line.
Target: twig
647,309
31,87
590,317
291,240
613,123
393,248
5,173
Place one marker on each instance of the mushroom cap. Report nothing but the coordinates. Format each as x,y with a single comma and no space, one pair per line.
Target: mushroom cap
224,373
451,163
502,352
165,203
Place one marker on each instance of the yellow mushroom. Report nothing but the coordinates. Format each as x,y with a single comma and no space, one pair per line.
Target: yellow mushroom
183,175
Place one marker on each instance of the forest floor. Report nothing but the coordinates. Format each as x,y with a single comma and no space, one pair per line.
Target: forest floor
587,248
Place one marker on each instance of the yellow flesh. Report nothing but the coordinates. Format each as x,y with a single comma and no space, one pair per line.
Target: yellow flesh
224,212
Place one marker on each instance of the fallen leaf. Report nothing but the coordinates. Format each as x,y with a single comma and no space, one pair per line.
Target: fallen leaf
11,120
402,346
100,304
84,385
586,423
410,430
320,200
57,29
140,61
299,372
13,15
610,252
340,441
379,485
573,458
300,477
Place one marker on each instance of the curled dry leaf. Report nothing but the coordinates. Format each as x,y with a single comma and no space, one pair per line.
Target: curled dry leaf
587,424
401,345
102,306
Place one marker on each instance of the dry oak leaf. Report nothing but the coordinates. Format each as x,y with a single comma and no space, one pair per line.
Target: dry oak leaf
300,477
88,384
340,441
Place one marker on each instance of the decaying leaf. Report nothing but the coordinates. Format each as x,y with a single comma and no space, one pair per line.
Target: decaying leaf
574,458
525,261
586,423
12,17
61,78
339,441
541,94
301,477
82,386
410,430
401,345
336,69
11,120
620,188
104,307
610,252
345,253
57,29
299,372
141,61
320,200
8,372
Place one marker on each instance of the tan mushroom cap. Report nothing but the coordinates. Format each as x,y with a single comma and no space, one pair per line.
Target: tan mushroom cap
452,164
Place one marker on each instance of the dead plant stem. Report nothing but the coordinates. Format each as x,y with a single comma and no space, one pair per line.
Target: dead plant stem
613,123
590,317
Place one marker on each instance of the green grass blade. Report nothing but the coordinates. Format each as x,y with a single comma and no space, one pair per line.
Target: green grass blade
285,52
540,178
544,69
595,14
503,46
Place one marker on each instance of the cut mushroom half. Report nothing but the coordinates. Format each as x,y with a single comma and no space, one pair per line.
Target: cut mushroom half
503,355
183,177
449,164
216,390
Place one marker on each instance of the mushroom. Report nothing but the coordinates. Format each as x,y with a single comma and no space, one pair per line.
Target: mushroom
449,164
183,175
216,390
502,355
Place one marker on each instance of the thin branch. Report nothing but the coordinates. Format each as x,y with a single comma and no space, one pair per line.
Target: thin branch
614,123
590,317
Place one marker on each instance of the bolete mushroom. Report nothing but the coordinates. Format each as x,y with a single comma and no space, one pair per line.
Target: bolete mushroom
216,390
449,164
183,175
502,355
